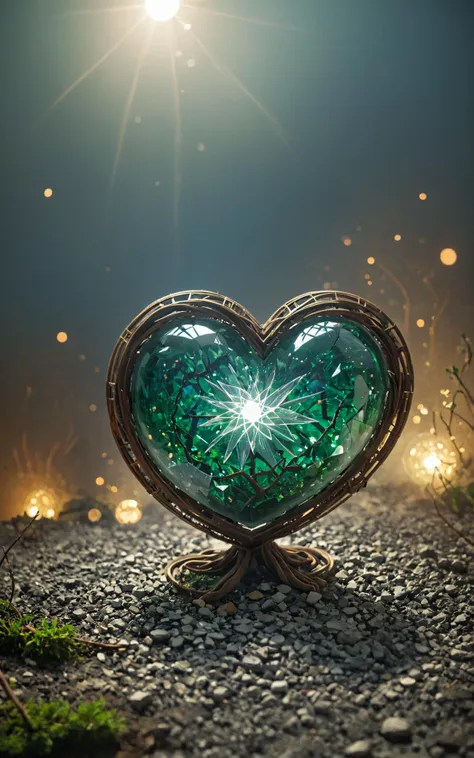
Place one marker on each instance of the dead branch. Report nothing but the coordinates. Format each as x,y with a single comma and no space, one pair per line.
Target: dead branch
11,696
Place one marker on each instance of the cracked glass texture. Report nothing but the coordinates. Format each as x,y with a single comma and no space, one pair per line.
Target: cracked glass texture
252,439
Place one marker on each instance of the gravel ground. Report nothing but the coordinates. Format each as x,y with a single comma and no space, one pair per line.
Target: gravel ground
379,664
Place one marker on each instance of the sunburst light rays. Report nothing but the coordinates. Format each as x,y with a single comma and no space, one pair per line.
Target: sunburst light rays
129,102
98,63
281,133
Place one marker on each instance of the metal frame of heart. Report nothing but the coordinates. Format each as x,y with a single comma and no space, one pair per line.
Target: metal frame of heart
302,567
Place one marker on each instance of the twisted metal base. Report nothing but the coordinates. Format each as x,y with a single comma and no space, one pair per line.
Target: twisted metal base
302,567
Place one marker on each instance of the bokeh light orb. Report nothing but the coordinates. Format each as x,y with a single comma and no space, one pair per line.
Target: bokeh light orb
448,256
427,457
162,10
128,512
61,337
94,515
41,503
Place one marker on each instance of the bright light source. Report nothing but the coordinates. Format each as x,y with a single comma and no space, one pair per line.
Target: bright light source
162,10
61,337
128,512
428,460
251,411
431,462
48,192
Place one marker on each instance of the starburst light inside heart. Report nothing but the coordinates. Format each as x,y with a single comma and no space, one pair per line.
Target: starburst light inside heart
252,439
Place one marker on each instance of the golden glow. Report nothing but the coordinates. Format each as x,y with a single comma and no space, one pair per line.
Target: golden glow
429,458
92,407
397,237
41,503
162,10
422,195
48,192
114,488
128,512
431,462
61,337
346,241
100,481
94,515
448,256
417,419
420,323
371,260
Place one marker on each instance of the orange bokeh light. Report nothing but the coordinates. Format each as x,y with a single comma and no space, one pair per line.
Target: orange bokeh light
448,256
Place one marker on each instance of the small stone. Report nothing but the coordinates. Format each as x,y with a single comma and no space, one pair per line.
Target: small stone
220,693
177,641
423,649
279,686
399,593
359,749
227,608
428,552
408,682
101,657
451,589
277,640
284,589
461,619
255,595
451,739
377,558
322,706
251,662
159,635
278,597
139,700
459,567
396,729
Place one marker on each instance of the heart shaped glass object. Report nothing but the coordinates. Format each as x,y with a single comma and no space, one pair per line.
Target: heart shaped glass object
251,438
248,425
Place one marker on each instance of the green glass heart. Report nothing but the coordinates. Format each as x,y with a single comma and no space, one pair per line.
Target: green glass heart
252,438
